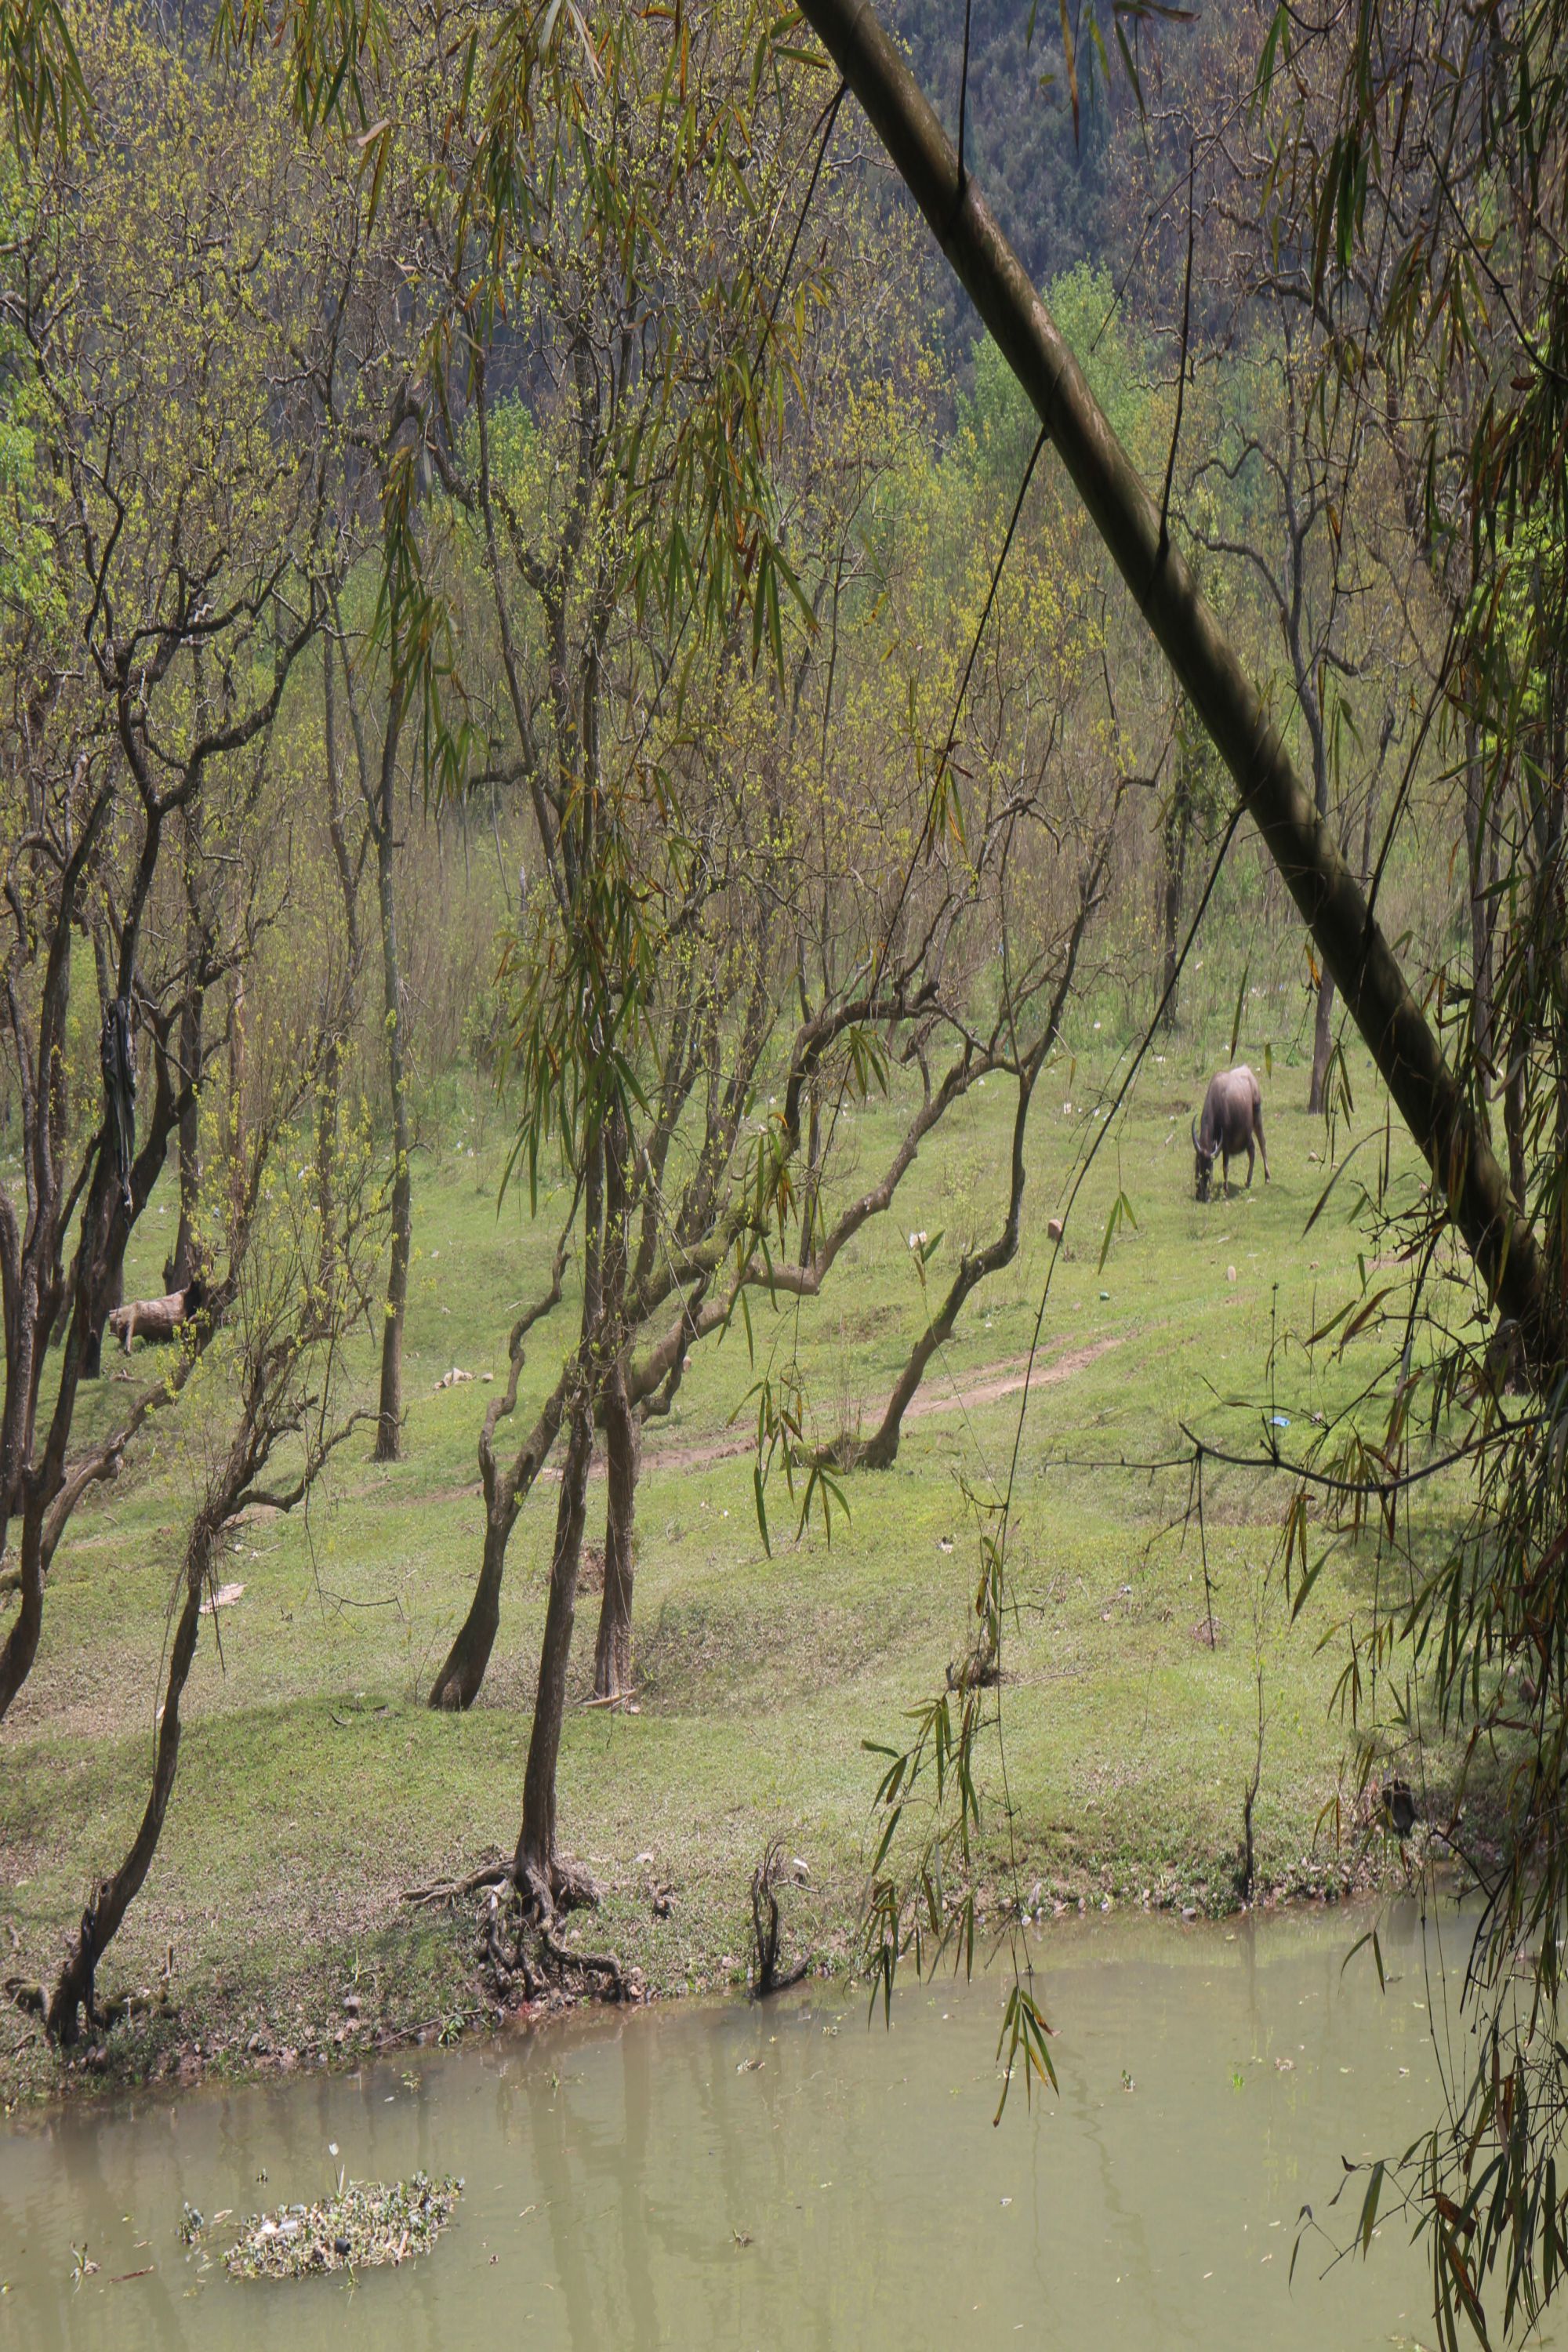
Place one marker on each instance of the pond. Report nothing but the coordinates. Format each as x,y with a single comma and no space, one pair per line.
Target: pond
786,2176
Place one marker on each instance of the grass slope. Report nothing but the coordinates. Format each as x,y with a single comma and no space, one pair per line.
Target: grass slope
315,1786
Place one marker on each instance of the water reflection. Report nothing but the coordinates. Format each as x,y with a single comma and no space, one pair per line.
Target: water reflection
788,2177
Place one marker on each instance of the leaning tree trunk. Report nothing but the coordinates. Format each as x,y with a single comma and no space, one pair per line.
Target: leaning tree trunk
457,1685
623,1447
461,1679
21,1644
1408,1057
389,1418
537,1867
73,1993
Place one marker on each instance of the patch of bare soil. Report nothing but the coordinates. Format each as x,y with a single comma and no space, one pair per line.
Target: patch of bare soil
988,1385
997,1380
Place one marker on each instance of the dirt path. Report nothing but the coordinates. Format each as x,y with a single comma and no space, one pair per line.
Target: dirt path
988,1385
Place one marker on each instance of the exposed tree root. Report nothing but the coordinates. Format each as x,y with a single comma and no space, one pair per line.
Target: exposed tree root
766,1977
618,1983
454,1890
518,1949
505,1971
572,1886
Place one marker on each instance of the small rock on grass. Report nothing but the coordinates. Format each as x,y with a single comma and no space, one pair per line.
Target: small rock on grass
369,2222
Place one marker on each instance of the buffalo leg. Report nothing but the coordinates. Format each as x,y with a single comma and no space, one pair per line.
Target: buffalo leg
1257,1130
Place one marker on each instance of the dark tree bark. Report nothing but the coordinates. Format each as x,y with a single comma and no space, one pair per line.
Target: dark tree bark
181,1266
623,1446
378,787
73,1993
110,1296
337,1012
537,1868
22,1641
506,1489
35,1483
1443,1123
544,1878
1481,842
271,1408
461,1679
1176,835
389,1421
103,1269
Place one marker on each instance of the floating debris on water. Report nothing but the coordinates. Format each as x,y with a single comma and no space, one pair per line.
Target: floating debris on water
368,2221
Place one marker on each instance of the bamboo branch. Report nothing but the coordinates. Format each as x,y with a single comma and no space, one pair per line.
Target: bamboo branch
1450,1133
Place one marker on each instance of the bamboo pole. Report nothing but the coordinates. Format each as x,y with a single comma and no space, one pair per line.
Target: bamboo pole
1452,1137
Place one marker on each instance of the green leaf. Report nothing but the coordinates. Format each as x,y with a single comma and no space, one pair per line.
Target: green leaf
1120,1209
1241,1001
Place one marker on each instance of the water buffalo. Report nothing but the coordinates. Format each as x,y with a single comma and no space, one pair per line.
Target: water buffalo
1232,1123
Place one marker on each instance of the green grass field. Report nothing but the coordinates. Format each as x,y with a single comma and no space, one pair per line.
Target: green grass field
315,1786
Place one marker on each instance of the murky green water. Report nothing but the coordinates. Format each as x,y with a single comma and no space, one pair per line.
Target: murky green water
782,2179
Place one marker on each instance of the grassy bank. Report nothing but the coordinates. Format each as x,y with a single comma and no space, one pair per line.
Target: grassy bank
315,1787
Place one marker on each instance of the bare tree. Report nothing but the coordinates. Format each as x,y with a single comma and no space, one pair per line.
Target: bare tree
280,1324
1295,459
163,514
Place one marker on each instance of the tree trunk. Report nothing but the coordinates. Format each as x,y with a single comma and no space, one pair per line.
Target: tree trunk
1176,833
179,1268
108,1280
327,1096
389,1420
536,1867
1558,774
73,1993
811,1211
1478,841
1353,949
1171,974
1322,1045
623,1444
21,1646
460,1680
110,1300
